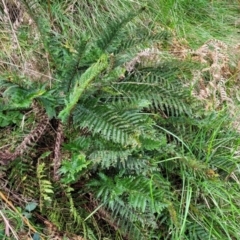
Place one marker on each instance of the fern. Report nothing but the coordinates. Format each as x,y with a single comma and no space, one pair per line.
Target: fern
109,41
128,199
155,89
114,143
45,187
22,177
107,158
111,125
81,84
196,232
73,211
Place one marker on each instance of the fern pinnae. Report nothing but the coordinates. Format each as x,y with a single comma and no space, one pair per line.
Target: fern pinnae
107,123
73,65
108,158
45,186
81,84
103,213
109,40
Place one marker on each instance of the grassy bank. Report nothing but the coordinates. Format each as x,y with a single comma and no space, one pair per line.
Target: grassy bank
119,119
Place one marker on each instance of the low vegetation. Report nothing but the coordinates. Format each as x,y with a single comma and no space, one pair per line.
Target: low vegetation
119,119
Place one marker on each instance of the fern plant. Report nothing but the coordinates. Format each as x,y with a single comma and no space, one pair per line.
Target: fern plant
115,138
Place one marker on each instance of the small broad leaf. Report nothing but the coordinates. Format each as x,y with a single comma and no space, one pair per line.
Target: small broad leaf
31,206
27,215
36,236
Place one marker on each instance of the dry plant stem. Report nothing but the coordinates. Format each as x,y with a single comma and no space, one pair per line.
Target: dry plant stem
2,196
57,151
70,6
30,139
8,226
33,136
13,31
32,71
50,12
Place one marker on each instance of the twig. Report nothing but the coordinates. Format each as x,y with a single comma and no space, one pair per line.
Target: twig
8,226
2,196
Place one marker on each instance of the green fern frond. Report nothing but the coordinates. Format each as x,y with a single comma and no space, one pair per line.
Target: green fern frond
141,38
77,219
45,186
129,197
152,142
135,165
109,40
22,177
82,84
70,70
197,232
120,127
152,87
109,158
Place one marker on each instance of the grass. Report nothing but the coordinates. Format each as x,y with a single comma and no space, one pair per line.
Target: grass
199,21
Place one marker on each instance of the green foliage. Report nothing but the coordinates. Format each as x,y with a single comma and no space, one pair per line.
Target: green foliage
198,22
71,169
11,118
28,209
139,155
81,84
45,187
